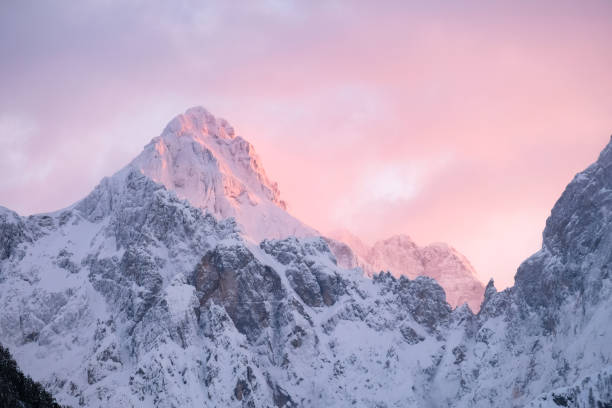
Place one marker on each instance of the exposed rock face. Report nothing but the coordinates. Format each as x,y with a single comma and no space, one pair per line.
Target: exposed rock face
12,233
316,281
423,298
590,391
402,257
250,292
134,297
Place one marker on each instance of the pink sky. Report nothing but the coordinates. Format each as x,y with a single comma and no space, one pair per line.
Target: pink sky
447,121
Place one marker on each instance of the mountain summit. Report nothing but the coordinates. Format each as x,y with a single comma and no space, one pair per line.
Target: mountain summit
199,157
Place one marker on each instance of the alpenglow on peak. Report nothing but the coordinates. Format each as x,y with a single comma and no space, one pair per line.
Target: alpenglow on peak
201,159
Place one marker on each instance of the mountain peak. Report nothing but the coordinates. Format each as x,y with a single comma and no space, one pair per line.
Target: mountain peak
197,121
201,159
490,289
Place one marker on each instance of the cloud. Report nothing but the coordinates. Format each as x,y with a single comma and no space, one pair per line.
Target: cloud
381,184
15,138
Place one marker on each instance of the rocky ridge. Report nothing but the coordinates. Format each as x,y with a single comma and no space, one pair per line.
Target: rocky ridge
401,256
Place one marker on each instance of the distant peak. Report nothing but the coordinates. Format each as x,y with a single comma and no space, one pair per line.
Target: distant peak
198,120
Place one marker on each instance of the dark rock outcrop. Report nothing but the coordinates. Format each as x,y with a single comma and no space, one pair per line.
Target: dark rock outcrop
250,292
314,282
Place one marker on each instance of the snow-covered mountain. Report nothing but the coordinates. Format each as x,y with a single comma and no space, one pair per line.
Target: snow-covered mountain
402,257
136,297
200,158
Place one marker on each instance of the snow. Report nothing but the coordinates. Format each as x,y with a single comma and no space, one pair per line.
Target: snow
199,157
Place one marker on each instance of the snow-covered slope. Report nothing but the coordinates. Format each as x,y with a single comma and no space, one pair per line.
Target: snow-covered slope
132,297
402,257
201,159
135,297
